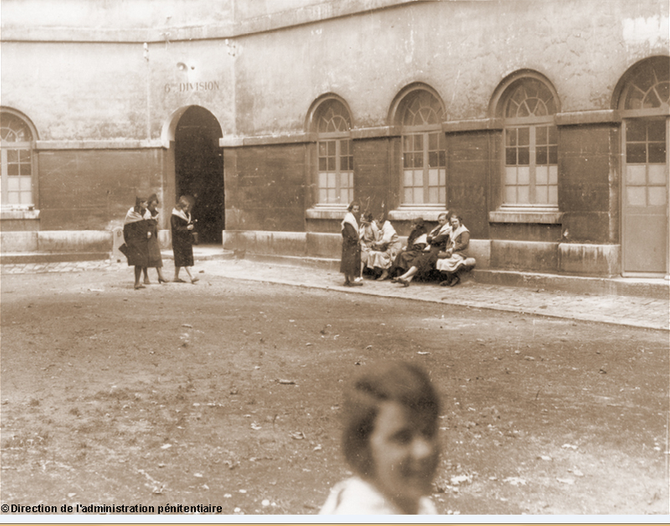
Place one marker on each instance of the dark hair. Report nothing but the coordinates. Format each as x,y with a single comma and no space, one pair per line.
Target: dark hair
138,203
184,201
399,382
367,217
152,198
352,205
417,221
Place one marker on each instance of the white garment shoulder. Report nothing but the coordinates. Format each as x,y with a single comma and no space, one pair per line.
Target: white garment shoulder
355,496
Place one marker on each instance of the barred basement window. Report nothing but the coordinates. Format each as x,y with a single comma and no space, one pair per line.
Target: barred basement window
335,154
16,160
424,162
531,146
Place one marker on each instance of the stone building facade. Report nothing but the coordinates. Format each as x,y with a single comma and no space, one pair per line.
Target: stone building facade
544,124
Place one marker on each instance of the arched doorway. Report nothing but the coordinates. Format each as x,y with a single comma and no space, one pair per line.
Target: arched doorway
198,161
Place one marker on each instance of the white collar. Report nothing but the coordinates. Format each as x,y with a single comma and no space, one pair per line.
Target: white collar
349,218
180,213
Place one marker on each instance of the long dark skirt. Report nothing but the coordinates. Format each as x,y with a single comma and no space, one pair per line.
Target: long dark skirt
135,237
182,242
350,264
405,260
154,249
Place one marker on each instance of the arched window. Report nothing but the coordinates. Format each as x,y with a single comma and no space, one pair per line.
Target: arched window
335,154
423,158
649,88
644,104
531,144
16,157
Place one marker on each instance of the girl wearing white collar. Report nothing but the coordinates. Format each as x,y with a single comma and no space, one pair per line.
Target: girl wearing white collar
136,235
350,265
182,239
455,256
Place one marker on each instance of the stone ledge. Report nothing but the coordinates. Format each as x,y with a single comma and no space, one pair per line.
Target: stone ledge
549,217
326,213
18,214
472,125
576,118
123,144
375,132
57,241
407,214
51,257
655,289
238,141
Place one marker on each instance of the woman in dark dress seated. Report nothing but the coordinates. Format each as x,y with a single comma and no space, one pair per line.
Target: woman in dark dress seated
416,243
437,241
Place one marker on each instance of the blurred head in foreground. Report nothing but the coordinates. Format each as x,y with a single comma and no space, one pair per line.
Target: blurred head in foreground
390,434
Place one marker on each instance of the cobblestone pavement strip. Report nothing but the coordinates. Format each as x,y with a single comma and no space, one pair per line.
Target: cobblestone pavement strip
621,310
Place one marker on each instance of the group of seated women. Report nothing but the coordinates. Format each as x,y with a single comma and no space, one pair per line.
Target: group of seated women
444,249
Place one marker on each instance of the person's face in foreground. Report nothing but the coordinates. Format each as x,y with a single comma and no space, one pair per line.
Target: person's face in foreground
405,453
355,209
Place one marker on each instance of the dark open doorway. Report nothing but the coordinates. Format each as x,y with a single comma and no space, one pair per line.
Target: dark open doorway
199,171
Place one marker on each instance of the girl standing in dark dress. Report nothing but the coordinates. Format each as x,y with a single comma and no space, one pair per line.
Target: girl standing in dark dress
154,249
182,237
350,265
136,236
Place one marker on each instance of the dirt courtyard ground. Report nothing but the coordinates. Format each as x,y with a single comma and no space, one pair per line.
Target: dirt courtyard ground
227,393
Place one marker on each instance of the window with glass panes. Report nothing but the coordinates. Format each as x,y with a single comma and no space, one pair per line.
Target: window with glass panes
16,161
646,162
531,146
646,135
424,162
335,154
645,108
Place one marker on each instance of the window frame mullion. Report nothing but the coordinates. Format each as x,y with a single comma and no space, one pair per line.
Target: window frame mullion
426,168
338,185
5,184
532,165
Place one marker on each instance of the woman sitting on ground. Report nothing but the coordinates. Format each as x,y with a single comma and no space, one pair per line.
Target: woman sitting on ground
437,241
454,258
368,235
390,442
416,243
136,235
385,249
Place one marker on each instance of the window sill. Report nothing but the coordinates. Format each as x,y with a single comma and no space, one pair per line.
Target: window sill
326,212
409,212
18,213
520,215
